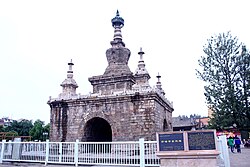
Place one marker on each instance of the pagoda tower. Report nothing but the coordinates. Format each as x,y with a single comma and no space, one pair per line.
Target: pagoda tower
121,107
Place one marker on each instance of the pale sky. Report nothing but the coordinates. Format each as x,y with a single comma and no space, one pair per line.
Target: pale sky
38,39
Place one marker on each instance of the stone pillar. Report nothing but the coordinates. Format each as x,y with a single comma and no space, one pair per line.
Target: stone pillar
16,151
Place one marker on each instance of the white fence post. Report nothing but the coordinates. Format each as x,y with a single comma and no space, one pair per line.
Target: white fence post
142,152
60,152
225,150
47,152
76,152
2,151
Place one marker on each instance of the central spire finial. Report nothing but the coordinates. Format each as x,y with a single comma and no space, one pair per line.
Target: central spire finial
118,55
117,23
117,13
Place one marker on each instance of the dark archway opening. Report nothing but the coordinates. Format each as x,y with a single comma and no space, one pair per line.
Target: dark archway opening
165,125
97,130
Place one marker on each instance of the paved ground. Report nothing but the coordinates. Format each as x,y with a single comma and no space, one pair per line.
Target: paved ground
236,160
240,159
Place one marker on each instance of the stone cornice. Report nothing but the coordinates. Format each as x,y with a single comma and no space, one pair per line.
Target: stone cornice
116,97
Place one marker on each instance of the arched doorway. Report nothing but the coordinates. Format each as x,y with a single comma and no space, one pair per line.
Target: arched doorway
165,125
97,129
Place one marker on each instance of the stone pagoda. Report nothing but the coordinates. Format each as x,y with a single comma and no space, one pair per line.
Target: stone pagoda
121,107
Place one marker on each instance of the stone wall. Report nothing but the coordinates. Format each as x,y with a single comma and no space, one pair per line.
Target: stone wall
130,116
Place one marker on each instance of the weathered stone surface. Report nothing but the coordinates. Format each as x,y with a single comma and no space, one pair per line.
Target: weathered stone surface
112,83
117,61
130,116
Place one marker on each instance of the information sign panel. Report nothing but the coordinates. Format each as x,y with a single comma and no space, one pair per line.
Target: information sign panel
170,142
201,140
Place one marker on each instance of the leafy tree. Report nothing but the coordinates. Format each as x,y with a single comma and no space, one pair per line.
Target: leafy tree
47,128
21,127
225,70
11,134
39,130
1,128
243,84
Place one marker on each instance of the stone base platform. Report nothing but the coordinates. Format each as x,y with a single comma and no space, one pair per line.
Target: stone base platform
189,158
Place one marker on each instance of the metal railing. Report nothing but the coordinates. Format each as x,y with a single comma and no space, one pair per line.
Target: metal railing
133,153
24,151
